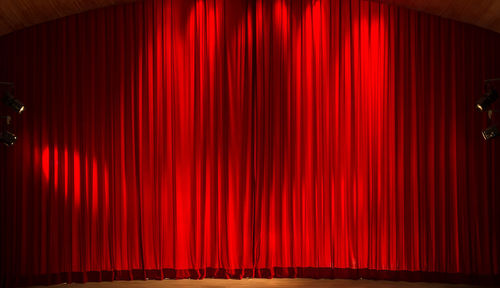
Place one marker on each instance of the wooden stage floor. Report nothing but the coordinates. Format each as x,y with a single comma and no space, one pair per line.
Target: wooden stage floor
300,282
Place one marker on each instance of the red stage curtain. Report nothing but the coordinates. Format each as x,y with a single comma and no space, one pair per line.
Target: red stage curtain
323,138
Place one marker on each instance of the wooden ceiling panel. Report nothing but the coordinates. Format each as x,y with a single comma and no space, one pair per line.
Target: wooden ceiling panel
482,13
18,14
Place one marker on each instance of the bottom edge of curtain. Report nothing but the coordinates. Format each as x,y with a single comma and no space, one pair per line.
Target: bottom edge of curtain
276,272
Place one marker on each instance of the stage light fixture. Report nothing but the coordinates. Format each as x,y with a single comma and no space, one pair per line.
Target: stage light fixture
489,96
13,103
484,102
490,132
7,138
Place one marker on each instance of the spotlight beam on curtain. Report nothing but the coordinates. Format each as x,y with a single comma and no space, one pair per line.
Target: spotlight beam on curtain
190,139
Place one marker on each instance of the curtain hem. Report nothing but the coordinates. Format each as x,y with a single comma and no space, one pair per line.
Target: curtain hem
277,272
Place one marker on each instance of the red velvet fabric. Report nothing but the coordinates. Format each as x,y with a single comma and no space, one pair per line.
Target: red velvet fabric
321,138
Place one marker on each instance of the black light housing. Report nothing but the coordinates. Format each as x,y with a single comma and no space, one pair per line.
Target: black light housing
484,102
7,138
13,103
490,132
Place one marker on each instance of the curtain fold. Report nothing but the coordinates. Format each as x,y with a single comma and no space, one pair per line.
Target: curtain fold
250,138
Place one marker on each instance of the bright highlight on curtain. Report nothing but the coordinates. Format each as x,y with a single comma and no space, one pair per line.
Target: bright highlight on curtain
320,138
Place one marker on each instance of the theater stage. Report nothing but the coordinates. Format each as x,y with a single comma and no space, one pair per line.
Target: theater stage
218,283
